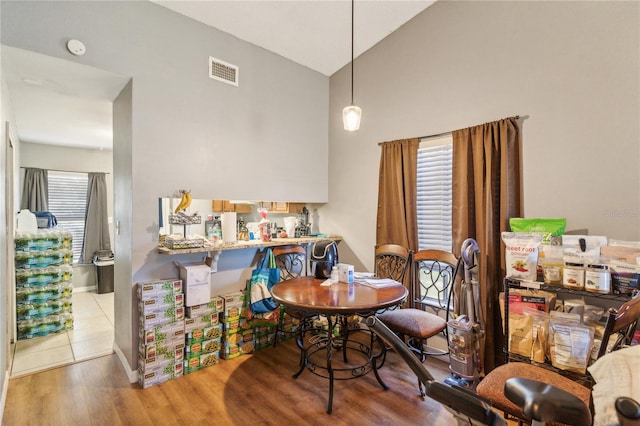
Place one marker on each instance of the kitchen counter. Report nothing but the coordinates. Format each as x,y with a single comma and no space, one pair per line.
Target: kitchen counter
238,245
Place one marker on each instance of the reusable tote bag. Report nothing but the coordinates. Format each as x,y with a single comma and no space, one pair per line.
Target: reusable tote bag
262,279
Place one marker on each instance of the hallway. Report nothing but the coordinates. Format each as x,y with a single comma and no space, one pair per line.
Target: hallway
91,337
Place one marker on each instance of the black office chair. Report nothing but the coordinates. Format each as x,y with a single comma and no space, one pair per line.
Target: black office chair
493,387
543,401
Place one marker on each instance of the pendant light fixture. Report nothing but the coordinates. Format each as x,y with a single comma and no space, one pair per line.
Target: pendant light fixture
351,114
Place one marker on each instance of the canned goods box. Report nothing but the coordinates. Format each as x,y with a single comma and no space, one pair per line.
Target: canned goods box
161,304
153,378
154,350
161,362
214,306
172,332
158,288
191,324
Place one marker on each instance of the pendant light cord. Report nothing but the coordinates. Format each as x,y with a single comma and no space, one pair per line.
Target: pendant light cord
352,9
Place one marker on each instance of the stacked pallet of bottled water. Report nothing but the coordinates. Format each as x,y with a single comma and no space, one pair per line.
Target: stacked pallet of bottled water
44,270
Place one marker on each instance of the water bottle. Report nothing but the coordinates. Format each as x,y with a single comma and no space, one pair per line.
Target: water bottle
334,275
217,231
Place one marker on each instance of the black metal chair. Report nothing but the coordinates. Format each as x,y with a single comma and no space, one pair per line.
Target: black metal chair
392,261
292,262
433,274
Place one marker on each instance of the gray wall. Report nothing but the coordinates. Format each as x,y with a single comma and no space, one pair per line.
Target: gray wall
185,130
571,67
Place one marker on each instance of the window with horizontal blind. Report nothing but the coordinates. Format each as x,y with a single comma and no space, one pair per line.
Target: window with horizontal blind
68,203
434,190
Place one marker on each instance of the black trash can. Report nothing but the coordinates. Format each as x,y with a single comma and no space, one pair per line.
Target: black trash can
103,260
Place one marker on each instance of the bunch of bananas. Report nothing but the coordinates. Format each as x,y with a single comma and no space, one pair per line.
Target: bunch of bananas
185,201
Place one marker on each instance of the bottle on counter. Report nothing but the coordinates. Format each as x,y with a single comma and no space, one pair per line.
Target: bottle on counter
334,275
217,230
264,225
243,231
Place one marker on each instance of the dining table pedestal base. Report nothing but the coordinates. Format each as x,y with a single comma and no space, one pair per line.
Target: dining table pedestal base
339,347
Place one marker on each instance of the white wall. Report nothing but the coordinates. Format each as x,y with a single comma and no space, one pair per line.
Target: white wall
571,67
5,257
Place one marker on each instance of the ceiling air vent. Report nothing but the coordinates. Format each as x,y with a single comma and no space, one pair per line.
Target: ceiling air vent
223,71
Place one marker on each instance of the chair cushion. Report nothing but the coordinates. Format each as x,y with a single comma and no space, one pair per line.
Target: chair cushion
492,386
413,322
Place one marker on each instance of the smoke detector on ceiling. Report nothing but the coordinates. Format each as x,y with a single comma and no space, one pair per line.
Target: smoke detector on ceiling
223,71
76,47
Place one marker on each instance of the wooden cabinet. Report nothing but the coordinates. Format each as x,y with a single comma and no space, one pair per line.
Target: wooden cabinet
284,207
279,207
220,206
296,207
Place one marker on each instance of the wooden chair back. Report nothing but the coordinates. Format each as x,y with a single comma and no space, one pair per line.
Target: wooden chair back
434,273
623,321
292,261
392,261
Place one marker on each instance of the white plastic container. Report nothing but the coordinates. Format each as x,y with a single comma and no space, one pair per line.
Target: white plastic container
27,221
597,279
335,278
345,273
573,275
196,281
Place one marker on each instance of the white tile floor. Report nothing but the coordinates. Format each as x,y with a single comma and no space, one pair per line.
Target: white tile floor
91,337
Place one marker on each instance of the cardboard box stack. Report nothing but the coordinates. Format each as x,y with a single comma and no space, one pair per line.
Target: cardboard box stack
289,326
203,335
241,337
161,331
238,335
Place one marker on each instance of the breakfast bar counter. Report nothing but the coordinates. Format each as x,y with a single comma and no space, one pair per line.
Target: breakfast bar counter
239,245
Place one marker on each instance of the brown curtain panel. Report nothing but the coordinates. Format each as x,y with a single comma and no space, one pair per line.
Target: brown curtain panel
397,222
487,191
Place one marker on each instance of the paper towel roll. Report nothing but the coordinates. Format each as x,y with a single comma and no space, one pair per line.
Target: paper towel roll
229,227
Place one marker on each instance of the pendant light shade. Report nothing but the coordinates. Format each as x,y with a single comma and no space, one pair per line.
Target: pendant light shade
351,117
351,114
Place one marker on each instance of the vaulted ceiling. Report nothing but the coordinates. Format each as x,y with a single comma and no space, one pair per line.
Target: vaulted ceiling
63,103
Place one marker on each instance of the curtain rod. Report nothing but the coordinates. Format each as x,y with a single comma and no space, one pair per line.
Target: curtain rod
422,137
517,117
66,171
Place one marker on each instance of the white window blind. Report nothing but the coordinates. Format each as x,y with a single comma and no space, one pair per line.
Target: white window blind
434,190
68,203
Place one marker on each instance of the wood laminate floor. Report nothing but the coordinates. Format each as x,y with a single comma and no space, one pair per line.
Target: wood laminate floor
253,389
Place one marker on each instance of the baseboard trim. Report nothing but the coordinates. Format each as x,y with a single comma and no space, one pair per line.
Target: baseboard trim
132,375
3,399
91,288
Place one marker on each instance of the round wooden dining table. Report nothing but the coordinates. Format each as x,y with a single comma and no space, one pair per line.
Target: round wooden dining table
328,327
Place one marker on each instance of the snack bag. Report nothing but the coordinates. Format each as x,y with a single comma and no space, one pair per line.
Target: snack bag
547,227
521,254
